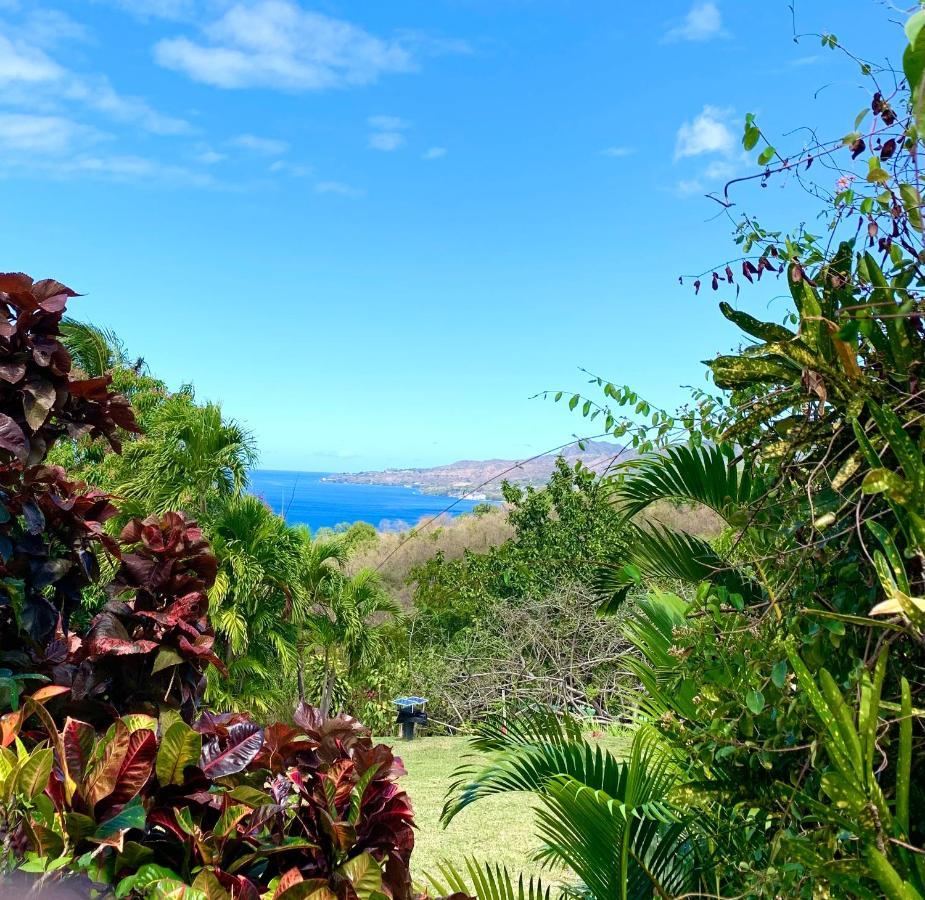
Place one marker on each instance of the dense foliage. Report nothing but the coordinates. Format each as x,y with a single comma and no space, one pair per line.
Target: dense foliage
780,750
516,620
112,771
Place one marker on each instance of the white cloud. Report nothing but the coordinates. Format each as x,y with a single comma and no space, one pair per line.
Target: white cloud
337,187
156,9
31,77
50,27
434,153
277,44
24,64
386,140
97,93
618,152
721,170
210,157
703,22
47,135
387,134
387,123
135,168
264,146
296,170
690,186
707,133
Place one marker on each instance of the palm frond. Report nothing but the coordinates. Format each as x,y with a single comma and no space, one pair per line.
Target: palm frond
486,882
662,555
94,350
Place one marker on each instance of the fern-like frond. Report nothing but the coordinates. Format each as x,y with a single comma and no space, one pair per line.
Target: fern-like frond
709,475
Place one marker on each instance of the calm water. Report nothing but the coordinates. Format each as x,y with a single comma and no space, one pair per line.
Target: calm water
302,497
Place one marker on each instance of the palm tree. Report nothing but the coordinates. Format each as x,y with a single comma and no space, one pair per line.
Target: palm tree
346,626
94,350
189,458
257,602
322,561
710,476
610,821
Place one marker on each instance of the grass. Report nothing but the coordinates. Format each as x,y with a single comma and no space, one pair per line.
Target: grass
496,829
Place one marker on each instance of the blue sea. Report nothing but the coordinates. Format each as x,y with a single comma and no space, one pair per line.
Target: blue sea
303,498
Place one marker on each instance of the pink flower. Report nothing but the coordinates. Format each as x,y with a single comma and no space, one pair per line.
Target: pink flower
844,183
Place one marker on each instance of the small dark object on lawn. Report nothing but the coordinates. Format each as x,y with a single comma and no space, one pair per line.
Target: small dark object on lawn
410,713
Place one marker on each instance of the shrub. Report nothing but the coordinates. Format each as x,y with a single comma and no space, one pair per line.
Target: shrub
111,772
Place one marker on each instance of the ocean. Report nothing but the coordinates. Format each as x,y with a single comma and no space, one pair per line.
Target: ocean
303,498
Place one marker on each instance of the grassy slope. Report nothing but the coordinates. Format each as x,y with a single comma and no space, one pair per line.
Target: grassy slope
497,829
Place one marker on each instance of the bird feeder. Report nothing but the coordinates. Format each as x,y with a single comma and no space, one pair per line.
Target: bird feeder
410,713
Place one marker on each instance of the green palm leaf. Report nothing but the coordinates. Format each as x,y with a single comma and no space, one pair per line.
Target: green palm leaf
486,882
708,475
662,555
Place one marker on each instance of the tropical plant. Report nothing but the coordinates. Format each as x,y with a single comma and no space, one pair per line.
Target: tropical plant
610,821
346,628
190,458
257,604
95,351
322,560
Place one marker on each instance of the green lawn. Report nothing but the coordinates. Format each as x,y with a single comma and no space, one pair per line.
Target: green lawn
497,829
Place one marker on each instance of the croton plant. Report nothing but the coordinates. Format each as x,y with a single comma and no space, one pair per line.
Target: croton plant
111,772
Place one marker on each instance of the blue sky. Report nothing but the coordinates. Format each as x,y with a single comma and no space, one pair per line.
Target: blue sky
373,230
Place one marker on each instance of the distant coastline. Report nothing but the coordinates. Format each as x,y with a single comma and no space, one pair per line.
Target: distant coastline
317,500
481,480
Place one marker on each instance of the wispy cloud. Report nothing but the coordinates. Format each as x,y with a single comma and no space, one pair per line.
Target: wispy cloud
338,187
703,22
156,9
30,77
205,154
386,140
432,153
707,133
387,132
278,44
51,27
296,170
44,135
261,145
618,152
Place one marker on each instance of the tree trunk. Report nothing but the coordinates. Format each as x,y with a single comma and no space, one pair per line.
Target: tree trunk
300,666
328,692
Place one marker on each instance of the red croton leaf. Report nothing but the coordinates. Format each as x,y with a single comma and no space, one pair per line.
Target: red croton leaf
12,438
232,753
79,741
136,767
15,282
108,637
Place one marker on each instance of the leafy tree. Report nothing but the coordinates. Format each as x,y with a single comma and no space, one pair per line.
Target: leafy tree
256,604
562,533
190,458
346,627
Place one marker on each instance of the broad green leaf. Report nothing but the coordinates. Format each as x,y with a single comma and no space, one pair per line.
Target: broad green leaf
779,673
754,700
34,773
364,873
180,747
912,203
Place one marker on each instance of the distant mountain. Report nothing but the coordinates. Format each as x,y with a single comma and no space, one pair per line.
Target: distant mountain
481,479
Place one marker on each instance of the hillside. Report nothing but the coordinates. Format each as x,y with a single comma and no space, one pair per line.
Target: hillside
481,479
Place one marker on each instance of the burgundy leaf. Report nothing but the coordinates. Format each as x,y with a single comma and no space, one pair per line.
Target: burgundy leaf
225,756
12,438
